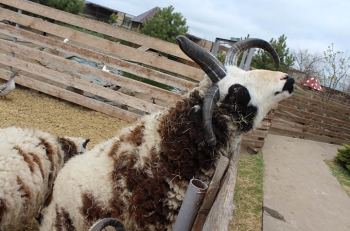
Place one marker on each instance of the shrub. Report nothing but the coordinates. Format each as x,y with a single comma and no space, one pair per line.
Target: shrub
343,156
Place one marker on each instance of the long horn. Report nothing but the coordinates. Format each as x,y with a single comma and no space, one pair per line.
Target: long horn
239,47
100,225
211,98
206,60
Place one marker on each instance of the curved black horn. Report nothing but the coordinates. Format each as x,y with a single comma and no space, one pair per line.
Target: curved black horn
239,47
85,143
206,60
211,98
100,225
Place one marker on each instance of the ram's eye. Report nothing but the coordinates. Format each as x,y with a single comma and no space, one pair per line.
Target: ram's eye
277,92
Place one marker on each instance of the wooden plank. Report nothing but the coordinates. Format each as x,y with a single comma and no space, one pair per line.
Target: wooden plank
293,118
143,48
222,210
88,54
317,131
64,65
73,97
312,116
324,104
253,143
82,84
210,196
97,26
256,133
286,131
102,45
313,109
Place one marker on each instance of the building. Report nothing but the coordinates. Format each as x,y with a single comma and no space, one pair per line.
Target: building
102,13
140,19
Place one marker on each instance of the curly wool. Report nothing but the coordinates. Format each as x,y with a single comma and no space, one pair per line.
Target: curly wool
29,162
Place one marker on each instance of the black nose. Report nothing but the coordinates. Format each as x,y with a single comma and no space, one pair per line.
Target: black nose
288,86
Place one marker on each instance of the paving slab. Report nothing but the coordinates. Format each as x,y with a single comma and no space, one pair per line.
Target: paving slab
300,192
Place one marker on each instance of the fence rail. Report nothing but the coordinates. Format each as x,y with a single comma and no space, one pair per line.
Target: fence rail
43,64
307,117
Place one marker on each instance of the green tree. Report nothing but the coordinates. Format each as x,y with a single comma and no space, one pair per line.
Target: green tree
335,69
113,18
263,60
165,25
343,156
71,6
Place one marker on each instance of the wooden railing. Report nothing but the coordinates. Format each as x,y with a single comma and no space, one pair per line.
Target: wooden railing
307,117
43,64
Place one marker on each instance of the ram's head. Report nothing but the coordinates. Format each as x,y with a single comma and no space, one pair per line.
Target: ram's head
258,90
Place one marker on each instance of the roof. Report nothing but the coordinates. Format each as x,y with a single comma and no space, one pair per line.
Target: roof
312,82
97,5
148,14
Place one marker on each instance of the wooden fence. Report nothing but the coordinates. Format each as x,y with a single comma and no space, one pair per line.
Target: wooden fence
43,64
307,116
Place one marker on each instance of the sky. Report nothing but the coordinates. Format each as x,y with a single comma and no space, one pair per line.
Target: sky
311,25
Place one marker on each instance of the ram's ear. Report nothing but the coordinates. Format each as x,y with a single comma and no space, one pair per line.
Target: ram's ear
195,112
237,94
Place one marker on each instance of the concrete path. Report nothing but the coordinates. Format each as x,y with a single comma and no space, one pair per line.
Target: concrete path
300,192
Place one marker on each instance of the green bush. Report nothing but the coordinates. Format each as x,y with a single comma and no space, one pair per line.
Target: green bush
343,156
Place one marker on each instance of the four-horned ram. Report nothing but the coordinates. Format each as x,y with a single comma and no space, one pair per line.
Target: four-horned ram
140,177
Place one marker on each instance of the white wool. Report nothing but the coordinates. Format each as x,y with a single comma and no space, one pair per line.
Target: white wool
20,202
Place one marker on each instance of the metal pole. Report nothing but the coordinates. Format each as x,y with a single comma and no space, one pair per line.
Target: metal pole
249,59
190,206
244,56
215,48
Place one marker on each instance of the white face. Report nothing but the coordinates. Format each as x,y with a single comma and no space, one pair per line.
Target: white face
266,88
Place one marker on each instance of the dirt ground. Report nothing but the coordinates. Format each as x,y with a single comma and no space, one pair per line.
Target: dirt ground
25,107
29,108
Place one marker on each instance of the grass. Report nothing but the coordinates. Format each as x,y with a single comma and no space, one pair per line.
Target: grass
342,174
248,197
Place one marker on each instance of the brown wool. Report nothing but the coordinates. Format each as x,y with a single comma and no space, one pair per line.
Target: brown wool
26,191
68,147
146,191
26,158
63,221
50,155
135,136
114,148
48,200
36,159
92,211
49,152
3,208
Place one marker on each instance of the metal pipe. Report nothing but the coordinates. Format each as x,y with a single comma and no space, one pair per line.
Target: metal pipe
190,206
